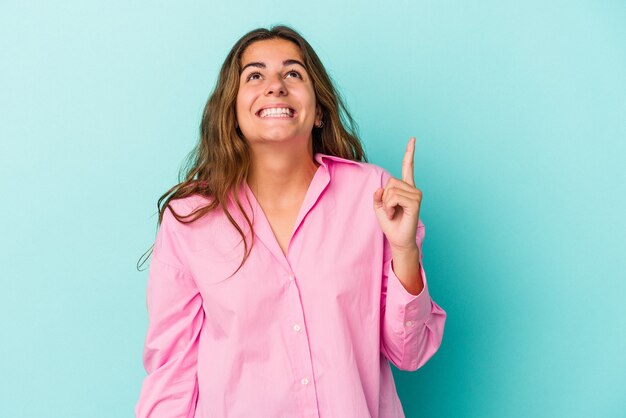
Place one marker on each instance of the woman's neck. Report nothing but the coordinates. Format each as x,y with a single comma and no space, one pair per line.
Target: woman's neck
281,179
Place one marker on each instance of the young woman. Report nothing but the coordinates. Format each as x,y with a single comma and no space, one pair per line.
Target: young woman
286,272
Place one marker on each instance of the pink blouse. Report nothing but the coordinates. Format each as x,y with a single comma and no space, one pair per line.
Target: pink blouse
309,334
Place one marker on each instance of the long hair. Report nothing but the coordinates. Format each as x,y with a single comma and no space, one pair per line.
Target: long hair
219,164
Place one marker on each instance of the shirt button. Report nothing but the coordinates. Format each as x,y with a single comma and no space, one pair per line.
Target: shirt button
408,323
305,381
290,277
296,328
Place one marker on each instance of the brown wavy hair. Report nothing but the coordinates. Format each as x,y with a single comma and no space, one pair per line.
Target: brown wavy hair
220,162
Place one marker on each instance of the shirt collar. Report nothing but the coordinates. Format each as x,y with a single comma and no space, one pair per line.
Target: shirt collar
320,158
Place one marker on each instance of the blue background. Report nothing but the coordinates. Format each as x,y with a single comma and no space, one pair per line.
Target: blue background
519,110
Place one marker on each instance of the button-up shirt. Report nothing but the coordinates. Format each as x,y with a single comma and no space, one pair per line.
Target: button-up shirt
309,333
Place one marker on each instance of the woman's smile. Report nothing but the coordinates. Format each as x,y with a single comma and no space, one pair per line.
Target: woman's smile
277,113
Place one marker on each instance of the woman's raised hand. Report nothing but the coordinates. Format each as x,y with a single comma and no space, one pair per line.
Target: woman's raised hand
397,205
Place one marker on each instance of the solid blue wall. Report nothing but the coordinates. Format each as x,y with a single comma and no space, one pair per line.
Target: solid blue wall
519,111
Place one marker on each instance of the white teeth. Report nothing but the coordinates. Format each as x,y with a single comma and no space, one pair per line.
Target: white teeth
277,111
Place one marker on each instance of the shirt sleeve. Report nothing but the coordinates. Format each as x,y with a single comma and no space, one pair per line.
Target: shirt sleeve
411,325
175,318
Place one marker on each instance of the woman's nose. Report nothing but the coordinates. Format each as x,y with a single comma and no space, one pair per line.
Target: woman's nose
275,84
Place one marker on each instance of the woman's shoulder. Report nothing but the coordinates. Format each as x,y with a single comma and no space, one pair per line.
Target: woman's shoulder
204,233
184,208
190,203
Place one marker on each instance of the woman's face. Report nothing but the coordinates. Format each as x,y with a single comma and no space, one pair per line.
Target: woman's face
273,75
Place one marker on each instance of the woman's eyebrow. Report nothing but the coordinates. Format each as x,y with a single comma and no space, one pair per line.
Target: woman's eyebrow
262,64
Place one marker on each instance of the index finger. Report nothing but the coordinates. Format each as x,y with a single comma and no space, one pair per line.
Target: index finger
407,163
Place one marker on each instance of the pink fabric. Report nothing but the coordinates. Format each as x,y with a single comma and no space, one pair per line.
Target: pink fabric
306,335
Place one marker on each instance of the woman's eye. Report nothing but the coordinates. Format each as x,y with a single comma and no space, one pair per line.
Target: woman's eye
295,72
257,73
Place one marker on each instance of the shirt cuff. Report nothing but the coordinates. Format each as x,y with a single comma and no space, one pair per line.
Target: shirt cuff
412,309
